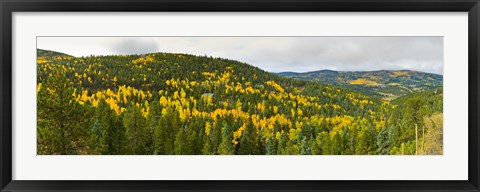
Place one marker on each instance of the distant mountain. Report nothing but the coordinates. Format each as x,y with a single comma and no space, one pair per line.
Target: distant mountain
389,84
288,74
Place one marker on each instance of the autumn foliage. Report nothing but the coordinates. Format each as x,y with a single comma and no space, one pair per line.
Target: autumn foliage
165,104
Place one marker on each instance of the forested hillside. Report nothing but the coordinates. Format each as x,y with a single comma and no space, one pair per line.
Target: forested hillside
163,103
50,54
385,83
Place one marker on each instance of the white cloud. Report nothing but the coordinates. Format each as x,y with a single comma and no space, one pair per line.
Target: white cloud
275,54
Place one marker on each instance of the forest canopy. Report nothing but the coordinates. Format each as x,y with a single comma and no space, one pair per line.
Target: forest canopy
180,104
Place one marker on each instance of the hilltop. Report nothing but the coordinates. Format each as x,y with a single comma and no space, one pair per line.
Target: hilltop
48,53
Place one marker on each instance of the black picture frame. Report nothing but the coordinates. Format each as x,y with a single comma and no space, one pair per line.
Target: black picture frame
7,7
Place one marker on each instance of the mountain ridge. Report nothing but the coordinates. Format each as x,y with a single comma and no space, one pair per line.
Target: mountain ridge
388,83
354,71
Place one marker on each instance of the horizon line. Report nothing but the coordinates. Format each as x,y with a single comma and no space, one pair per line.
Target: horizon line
245,62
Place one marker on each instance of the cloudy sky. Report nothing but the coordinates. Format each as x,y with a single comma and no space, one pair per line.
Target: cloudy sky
275,54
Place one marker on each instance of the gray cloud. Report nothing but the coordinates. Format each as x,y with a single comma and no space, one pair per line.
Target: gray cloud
133,46
276,54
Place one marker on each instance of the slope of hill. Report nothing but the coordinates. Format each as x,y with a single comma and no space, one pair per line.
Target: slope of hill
47,53
164,103
390,84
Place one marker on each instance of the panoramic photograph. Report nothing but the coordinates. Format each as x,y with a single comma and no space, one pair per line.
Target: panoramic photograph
239,95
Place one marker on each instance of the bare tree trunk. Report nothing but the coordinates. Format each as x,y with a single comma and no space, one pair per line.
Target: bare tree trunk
416,139
423,141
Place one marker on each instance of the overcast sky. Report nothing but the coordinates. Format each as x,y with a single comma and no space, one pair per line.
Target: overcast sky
275,54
